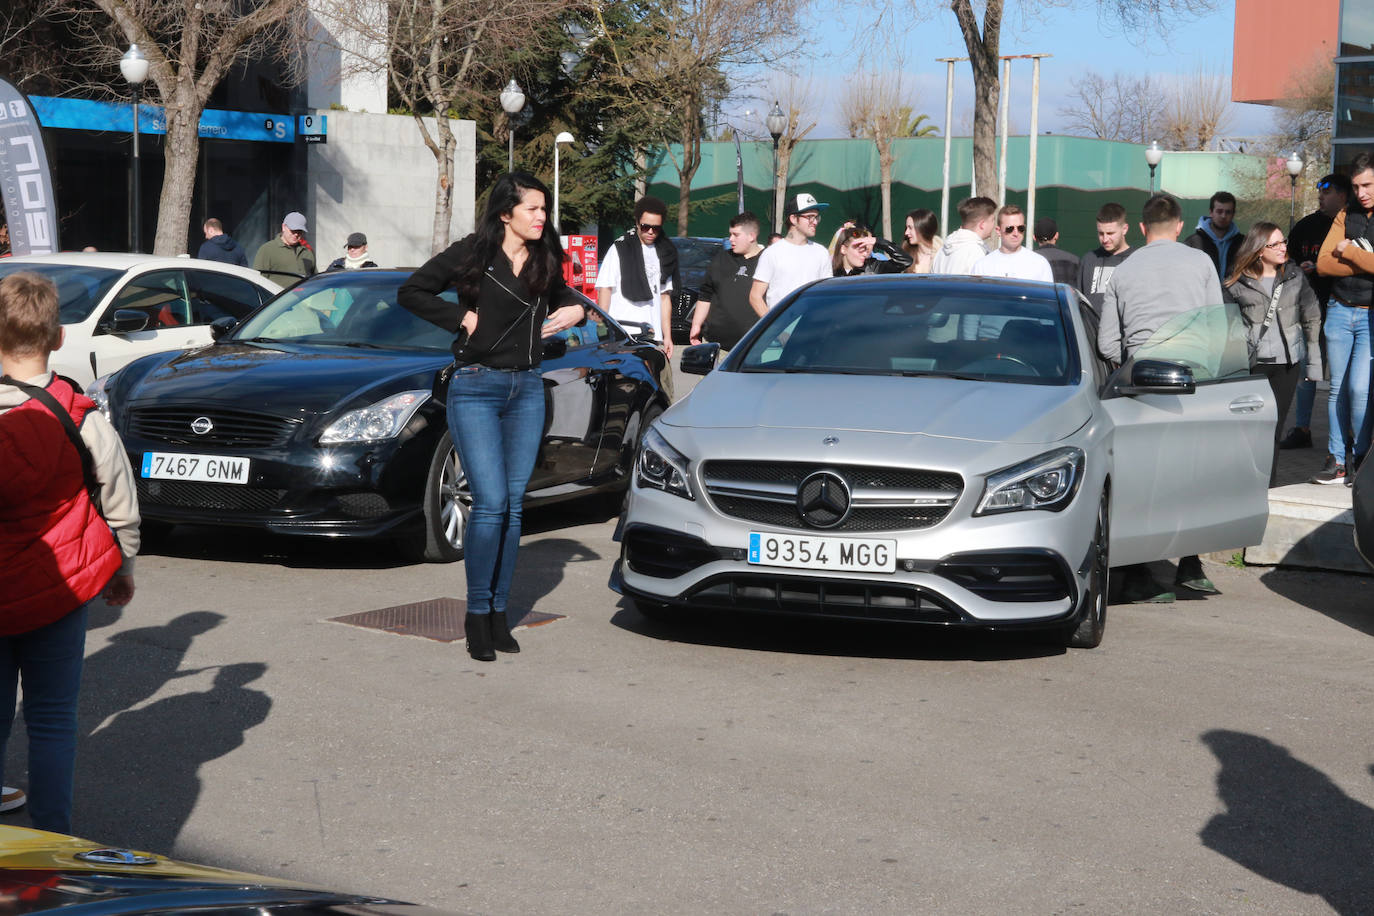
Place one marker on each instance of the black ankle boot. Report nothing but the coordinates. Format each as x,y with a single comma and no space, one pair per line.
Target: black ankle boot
478,630
501,640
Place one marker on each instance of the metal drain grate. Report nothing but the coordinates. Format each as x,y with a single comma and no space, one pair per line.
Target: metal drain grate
440,619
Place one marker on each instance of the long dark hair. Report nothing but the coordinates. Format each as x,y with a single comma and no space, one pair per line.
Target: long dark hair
927,227
546,255
1247,258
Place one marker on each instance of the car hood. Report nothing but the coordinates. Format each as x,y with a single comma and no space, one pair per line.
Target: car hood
918,405
279,376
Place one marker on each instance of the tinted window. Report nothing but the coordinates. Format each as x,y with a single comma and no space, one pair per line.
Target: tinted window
216,295
348,308
694,258
161,295
894,330
1214,342
79,289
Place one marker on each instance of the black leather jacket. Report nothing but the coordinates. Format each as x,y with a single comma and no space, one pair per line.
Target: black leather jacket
898,261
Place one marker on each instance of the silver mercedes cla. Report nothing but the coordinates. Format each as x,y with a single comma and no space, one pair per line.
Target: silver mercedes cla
944,450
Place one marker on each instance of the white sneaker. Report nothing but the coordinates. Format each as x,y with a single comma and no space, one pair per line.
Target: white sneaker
12,798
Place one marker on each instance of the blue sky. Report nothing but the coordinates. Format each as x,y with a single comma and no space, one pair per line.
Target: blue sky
1073,34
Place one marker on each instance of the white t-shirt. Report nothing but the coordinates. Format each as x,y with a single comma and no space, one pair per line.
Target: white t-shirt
622,309
784,266
1023,265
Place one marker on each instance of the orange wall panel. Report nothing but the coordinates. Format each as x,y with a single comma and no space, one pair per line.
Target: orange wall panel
1275,41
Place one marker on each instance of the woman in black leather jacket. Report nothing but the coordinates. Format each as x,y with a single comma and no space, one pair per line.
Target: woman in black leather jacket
854,254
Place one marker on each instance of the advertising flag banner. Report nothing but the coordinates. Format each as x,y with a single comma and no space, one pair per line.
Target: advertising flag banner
25,182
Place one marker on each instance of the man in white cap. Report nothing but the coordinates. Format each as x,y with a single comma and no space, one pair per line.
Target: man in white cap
795,260
287,258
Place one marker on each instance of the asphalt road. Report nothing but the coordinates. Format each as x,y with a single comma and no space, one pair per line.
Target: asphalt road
1211,757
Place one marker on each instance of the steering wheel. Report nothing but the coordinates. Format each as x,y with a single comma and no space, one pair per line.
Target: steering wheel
994,364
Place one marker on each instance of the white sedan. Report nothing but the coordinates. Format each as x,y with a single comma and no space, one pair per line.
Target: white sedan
118,307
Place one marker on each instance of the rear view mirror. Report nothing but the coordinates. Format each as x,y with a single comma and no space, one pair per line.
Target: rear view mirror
222,326
1157,376
124,321
700,359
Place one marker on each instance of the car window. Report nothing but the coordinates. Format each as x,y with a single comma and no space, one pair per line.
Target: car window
159,294
1212,341
215,295
907,330
79,289
353,309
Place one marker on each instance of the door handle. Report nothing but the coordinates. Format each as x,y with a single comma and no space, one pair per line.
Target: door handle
1249,403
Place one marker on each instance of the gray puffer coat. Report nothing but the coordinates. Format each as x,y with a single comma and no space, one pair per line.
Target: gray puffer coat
1293,336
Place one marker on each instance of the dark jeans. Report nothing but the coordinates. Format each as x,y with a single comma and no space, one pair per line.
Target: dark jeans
1283,381
496,419
49,661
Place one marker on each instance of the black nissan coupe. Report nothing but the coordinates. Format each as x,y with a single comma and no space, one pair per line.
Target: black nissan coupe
316,415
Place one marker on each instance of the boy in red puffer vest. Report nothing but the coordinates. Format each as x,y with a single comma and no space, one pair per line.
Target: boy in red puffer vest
57,553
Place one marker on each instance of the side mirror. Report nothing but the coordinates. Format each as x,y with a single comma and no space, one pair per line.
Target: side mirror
1157,376
554,347
699,359
124,321
221,326
639,331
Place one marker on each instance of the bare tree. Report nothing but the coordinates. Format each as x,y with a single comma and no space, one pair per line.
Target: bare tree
190,46
675,64
1123,107
875,106
438,55
1304,121
1197,112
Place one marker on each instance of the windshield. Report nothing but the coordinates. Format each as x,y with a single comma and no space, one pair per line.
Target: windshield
984,334
79,289
350,308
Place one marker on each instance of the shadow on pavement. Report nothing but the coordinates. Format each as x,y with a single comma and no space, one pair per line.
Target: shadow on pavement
853,638
1344,597
1289,823
243,545
540,569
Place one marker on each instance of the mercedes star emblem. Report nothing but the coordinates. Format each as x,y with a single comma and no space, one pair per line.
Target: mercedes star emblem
823,499
831,440
201,425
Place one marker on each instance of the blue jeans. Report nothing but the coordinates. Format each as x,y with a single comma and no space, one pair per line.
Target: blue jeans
496,419
49,661
1347,350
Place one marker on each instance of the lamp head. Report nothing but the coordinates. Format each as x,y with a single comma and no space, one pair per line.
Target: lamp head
1294,164
134,65
1153,154
512,98
563,137
776,121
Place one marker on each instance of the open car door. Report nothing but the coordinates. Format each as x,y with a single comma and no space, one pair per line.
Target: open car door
1191,469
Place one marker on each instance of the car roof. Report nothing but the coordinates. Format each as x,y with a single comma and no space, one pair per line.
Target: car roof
125,261
951,283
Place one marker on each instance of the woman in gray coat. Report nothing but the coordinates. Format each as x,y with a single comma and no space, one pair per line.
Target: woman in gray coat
1282,314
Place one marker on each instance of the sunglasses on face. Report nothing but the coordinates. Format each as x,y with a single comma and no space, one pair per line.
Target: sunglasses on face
1011,229
648,227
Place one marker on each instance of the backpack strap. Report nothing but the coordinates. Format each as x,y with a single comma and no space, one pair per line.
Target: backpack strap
42,396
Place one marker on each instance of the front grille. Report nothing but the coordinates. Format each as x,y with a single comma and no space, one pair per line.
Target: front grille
1009,576
185,494
363,505
231,428
822,597
884,498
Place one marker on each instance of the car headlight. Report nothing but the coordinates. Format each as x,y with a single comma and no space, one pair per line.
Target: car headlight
382,420
96,392
1047,481
661,466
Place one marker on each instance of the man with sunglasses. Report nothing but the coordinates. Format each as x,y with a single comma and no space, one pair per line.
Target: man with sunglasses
1012,258
638,274
288,257
795,260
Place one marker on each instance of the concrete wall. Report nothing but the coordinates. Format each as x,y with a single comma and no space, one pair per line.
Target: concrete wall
376,176
346,57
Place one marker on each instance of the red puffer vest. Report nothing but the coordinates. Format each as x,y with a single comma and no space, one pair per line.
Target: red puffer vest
56,552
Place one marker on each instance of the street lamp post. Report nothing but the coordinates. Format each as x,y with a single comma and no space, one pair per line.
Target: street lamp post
512,100
1153,155
1294,165
134,66
777,123
563,137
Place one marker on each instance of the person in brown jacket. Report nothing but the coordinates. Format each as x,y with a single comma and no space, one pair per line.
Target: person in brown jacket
1347,256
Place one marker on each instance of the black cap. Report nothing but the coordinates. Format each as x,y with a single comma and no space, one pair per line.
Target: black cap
1339,182
1045,228
356,240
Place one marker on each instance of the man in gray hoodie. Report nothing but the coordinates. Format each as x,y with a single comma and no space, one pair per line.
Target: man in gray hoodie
1217,235
1161,280
965,247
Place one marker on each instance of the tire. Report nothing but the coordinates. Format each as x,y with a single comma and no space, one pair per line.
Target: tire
446,507
618,498
1087,634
